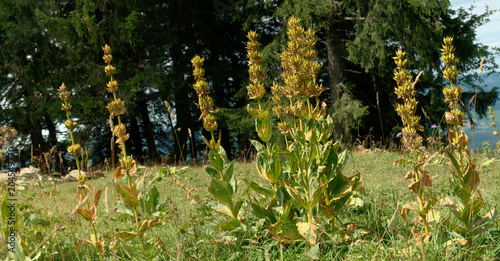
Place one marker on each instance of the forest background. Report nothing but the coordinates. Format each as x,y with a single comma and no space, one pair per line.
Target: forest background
45,43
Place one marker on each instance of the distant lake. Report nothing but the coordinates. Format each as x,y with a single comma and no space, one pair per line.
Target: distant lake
484,131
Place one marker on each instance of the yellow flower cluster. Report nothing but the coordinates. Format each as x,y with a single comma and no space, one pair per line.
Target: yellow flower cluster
205,103
298,61
454,117
116,108
405,90
256,89
299,76
494,124
74,149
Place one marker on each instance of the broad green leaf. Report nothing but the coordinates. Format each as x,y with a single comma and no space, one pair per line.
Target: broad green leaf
147,224
126,235
229,171
258,146
237,207
230,225
287,207
222,209
470,211
212,172
275,170
221,190
263,213
454,163
259,189
127,195
216,160
124,209
264,130
150,201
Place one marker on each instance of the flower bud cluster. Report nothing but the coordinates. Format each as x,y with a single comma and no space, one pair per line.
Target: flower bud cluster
256,89
299,65
116,108
454,117
405,90
74,149
494,124
450,72
205,102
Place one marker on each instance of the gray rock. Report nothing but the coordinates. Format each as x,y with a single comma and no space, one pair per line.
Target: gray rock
29,173
72,176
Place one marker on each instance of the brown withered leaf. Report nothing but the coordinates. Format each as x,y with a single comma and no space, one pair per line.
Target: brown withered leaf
118,173
80,194
87,215
79,242
89,188
122,139
425,178
97,196
409,175
80,204
414,186
463,140
406,209
308,231
101,247
451,118
473,180
451,136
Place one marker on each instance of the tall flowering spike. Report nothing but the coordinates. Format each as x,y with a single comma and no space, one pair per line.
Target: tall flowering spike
405,90
256,89
74,149
205,103
450,72
455,116
298,61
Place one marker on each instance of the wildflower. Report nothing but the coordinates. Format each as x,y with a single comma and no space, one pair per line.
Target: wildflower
110,70
138,218
70,218
74,150
434,126
112,86
399,134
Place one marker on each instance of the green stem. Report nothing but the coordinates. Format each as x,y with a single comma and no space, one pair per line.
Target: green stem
136,215
82,182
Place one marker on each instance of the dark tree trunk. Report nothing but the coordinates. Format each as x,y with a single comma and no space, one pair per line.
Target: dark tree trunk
52,130
135,134
35,130
148,128
336,53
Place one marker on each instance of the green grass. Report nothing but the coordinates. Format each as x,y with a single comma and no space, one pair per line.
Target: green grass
189,231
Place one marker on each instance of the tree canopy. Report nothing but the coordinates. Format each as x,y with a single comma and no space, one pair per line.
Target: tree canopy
45,43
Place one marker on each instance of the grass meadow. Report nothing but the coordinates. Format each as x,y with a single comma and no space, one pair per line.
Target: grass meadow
189,229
